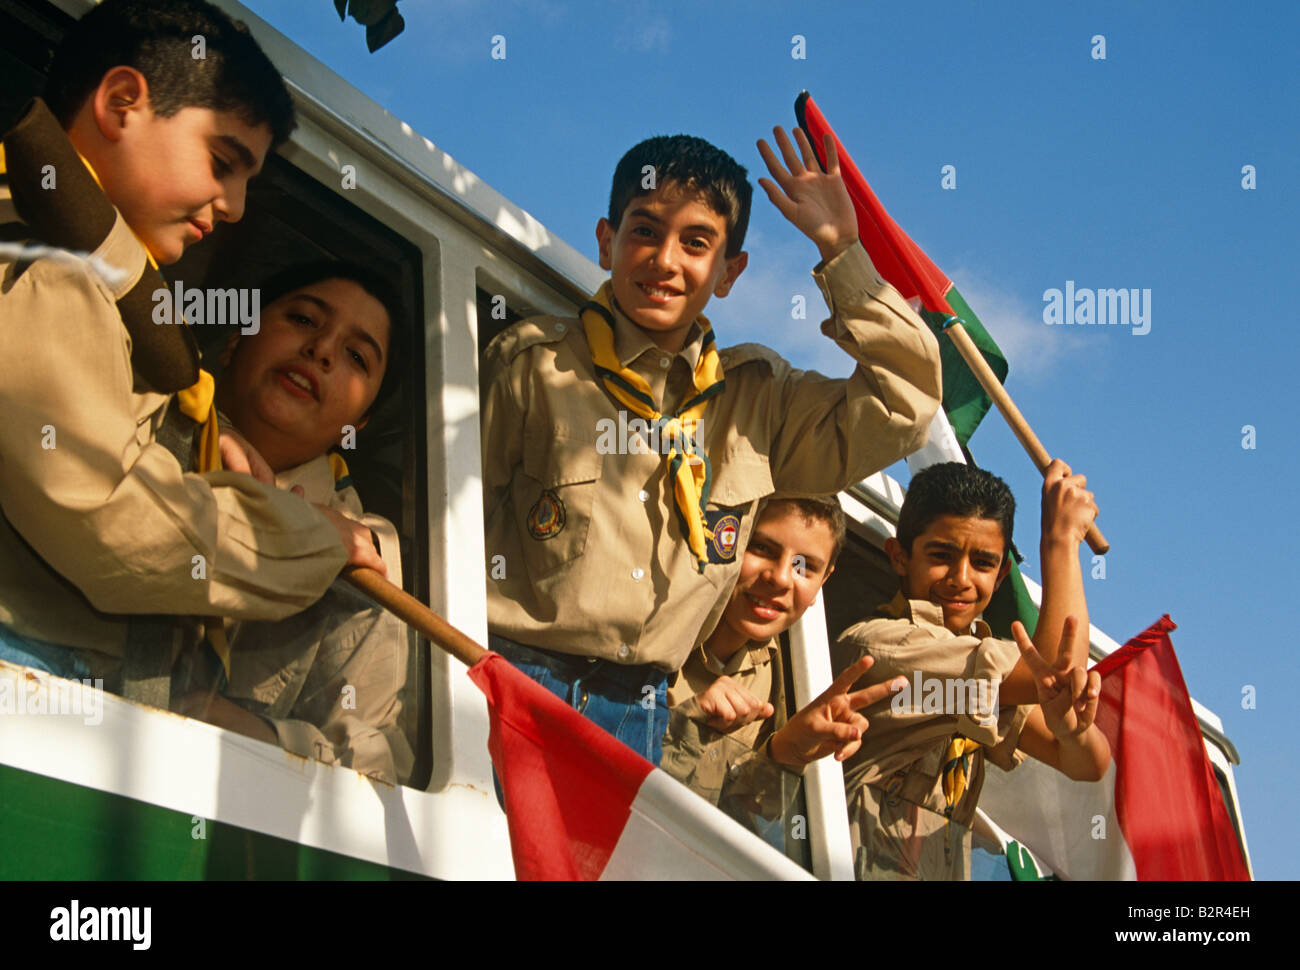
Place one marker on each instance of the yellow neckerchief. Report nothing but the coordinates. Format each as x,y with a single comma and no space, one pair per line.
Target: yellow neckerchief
688,468
956,770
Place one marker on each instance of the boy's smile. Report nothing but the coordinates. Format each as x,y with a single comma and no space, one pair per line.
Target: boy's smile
314,366
956,563
666,259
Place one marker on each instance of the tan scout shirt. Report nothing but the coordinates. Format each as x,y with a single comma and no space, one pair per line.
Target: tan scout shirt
894,781
98,518
295,673
595,561
750,667
729,770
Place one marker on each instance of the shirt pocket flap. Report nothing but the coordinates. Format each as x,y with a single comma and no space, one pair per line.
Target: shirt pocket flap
557,460
741,477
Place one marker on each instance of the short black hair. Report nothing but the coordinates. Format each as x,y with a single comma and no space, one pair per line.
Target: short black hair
305,274
691,163
157,38
955,488
817,508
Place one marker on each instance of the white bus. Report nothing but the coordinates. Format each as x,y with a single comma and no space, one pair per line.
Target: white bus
144,794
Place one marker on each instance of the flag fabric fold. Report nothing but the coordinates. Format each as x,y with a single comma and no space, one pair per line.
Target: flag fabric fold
903,264
582,805
1158,813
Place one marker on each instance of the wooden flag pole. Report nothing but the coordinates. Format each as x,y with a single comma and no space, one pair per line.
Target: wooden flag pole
1019,426
415,614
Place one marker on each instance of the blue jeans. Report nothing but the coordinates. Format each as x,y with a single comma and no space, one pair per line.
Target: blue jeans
630,702
51,657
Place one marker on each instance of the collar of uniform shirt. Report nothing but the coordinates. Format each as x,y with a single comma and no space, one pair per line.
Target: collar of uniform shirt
748,657
925,613
630,341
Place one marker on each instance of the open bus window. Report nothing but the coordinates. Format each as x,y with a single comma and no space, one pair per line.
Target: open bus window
291,219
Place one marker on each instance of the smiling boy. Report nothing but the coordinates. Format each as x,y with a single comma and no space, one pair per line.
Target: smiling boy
728,700
913,785
143,149
615,564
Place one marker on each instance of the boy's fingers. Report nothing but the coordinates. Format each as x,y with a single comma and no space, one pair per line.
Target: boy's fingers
832,156
1065,649
1038,667
787,152
876,692
1092,697
805,149
773,165
299,491
849,676
779,199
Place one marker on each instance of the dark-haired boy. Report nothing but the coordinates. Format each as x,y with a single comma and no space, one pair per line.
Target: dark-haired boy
617,557
914,783
728,731
148,146
326,683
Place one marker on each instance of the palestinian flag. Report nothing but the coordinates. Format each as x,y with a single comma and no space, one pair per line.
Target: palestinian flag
580,804
902,263
1158,813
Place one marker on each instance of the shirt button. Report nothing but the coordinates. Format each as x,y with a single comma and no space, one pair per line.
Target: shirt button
665,362
624,651
638,573
643,495
559,328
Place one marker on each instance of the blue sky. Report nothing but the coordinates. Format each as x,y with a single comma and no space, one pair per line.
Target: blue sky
1122,172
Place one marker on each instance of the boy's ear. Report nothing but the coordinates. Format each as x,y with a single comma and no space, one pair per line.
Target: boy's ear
735,266
897,557
122,92
605,240
829,570
1003,570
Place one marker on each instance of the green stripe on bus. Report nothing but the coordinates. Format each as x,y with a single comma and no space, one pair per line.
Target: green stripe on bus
53,829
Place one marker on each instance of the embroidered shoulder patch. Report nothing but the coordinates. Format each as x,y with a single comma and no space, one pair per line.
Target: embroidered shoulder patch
725,525
546,517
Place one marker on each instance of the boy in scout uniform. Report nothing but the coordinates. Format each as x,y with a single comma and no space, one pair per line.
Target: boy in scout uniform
913,785
728,736
142,150
327,683
624,454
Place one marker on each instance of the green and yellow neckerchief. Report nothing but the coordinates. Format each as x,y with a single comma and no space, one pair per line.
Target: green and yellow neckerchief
688,467
956,770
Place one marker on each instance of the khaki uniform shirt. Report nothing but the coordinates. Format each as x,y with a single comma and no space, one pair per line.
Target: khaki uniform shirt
98,519
331,679
606,571
729,769
894,783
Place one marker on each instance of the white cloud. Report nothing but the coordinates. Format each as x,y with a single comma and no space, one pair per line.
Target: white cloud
1015,321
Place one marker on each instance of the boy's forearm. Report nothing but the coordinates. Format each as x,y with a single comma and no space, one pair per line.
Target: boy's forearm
1084,757
1063,596
834,432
